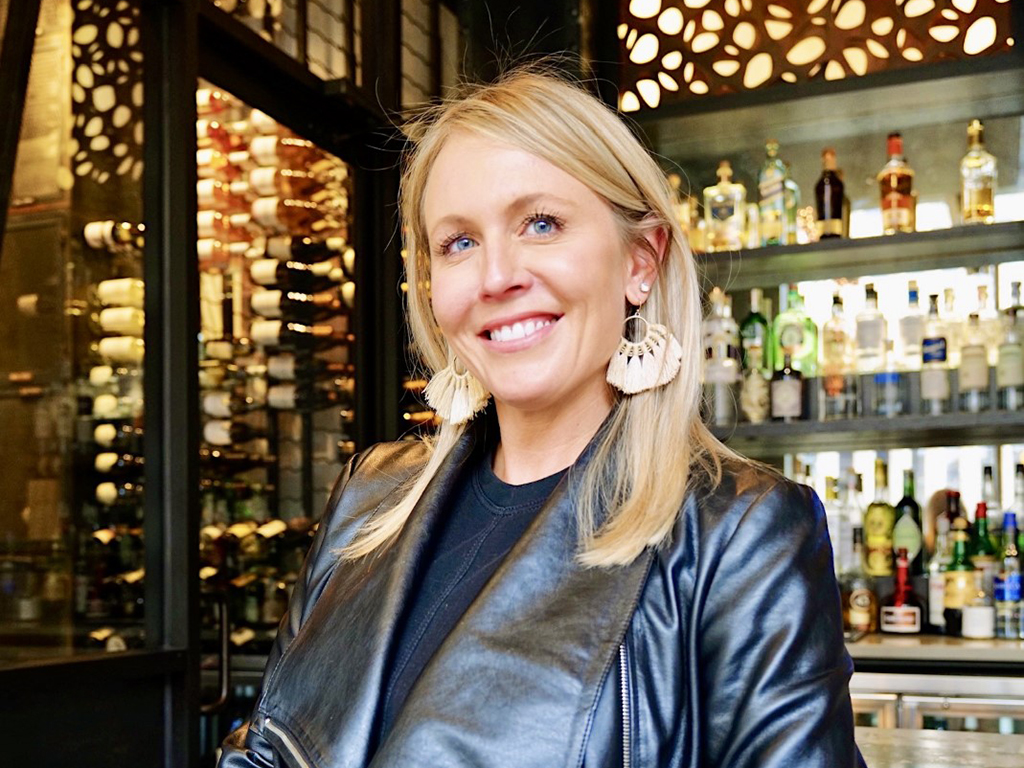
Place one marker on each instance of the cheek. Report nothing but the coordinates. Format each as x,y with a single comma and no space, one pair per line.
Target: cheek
450,299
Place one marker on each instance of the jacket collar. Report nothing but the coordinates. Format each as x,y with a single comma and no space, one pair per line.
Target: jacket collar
540,637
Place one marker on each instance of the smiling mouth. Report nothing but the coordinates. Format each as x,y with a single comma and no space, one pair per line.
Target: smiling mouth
520,330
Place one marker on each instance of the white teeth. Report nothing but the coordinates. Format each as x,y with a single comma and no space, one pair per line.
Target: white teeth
518,330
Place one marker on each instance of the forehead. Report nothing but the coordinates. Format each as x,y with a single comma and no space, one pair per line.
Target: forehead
474,175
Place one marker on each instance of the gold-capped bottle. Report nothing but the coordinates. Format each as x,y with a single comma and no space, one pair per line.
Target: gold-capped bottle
879,520
977,178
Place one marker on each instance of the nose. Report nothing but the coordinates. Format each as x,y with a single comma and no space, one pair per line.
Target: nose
502,272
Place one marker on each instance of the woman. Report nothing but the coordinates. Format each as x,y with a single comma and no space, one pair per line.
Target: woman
575,573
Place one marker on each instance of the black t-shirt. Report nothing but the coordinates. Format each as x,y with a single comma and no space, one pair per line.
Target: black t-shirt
486,517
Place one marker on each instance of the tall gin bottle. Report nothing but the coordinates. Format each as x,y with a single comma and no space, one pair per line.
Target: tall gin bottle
1010,365
794,331
977,178
973,377
911,331
724,210
871,334
934,364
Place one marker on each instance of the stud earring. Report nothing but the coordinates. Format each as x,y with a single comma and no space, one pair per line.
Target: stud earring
651,362
455,395
645,287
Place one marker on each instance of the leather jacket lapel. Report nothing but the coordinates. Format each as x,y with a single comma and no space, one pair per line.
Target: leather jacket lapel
516,682
332,710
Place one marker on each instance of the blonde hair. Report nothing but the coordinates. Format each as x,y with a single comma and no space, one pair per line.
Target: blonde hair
640,470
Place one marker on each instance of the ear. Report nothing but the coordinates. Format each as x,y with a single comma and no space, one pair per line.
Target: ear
645,257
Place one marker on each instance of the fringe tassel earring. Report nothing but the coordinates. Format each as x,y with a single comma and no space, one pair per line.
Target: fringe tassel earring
651,362
456,396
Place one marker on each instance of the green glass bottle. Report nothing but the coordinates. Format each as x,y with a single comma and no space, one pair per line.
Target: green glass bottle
879,519
906,533
771,187
960,589
756,337
984,556
796,333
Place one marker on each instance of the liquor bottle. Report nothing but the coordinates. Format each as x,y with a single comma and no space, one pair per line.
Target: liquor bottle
980,548
291,397
903,611
959,580
937,565
1010,365
979,613
1007,583
992,324
721,368
795,331
833,517
724,209
111,494
791,200
850,516
879,519
296,275
992,503
934,364
911,331
1015,312
119,464
896,185
829,197
977,179
298,306
837,356
974,368
226,432
277,333
871,334
771,191
286,367
906,533
860,604
954,322
787,392
756,340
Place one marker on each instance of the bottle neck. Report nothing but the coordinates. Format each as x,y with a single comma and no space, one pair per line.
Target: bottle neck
908,486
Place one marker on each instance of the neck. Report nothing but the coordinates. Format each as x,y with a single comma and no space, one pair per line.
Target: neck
537,443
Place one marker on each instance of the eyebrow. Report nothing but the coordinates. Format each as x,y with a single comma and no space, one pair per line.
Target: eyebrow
520,202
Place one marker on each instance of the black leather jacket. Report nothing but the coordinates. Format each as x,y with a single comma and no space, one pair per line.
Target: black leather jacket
722,649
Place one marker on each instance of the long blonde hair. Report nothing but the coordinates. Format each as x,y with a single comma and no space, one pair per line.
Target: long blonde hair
655,445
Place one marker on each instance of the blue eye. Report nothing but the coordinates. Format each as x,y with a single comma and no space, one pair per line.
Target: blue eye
462,244
542,225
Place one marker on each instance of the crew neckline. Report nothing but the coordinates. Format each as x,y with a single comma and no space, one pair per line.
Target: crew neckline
508,498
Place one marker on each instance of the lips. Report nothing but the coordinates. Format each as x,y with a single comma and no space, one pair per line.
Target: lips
518,328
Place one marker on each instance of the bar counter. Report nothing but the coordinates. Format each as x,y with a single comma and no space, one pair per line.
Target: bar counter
908,748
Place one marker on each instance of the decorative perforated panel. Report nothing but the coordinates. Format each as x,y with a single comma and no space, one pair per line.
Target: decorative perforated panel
675,50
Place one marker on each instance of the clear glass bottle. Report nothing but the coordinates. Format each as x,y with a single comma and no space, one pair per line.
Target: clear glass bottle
955,321
871,334
973,373
980,547
829,197
771,187
977,178
837,365
934,363
896,185
724,212
1007,583
787,392
795,331
1010,366
791,225
990,496
833,515
911,331
937,565
721,366
992,323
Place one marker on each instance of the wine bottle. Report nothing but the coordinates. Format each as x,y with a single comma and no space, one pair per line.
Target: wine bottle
227,432
287,151
111,494
287,182
211,163
118,437
300,306
286,367
282,213
291,397
123,321
127,350
222,404
217,253
121,292
311,249
113,463
210,101
278,333
115,236
297,275
214,194
215,225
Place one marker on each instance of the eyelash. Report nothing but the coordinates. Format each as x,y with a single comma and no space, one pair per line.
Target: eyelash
537,216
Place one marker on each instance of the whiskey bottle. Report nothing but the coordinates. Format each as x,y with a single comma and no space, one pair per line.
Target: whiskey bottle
903,611
771,190
787,392
829,197
934,365
724,208
977,178
860,604
896,184
879,520
973,372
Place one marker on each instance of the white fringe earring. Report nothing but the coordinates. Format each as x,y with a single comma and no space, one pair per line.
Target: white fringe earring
653,361
456,396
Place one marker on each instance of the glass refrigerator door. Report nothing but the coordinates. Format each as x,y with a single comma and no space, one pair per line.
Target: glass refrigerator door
964,713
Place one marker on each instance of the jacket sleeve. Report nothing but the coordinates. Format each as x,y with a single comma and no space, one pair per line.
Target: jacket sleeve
774,669
245,748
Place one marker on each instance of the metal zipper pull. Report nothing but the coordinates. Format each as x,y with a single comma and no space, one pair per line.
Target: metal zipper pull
624,691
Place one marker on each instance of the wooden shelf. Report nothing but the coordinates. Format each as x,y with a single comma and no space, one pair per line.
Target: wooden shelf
771,440
974,246
825,112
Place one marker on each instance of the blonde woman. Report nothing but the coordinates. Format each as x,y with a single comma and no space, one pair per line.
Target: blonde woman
575,572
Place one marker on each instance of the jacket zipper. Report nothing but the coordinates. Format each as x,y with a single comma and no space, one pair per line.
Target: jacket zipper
624,690
286,740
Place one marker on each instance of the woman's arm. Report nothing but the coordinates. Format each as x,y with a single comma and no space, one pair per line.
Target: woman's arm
774,669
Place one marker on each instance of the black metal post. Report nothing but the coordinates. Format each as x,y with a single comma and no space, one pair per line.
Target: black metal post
15,62
171,523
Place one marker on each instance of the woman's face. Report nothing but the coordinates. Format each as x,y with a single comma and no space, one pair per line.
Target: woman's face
529,275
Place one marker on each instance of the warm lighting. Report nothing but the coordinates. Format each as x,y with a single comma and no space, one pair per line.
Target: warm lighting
980,36
671,21
645,50
644,9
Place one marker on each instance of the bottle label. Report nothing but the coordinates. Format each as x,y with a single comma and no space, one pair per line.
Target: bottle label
903,619
122,292
870,335
791,336
935,384
907,535
263,181
862,603
721,371
896,213
959,589
936,599
264,150
281,396
973,367
1010,369
833,227
264,271
281,367
786,398
979,621
217,404
933,350
264,211
723,210
1006,587
754,400
267,303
